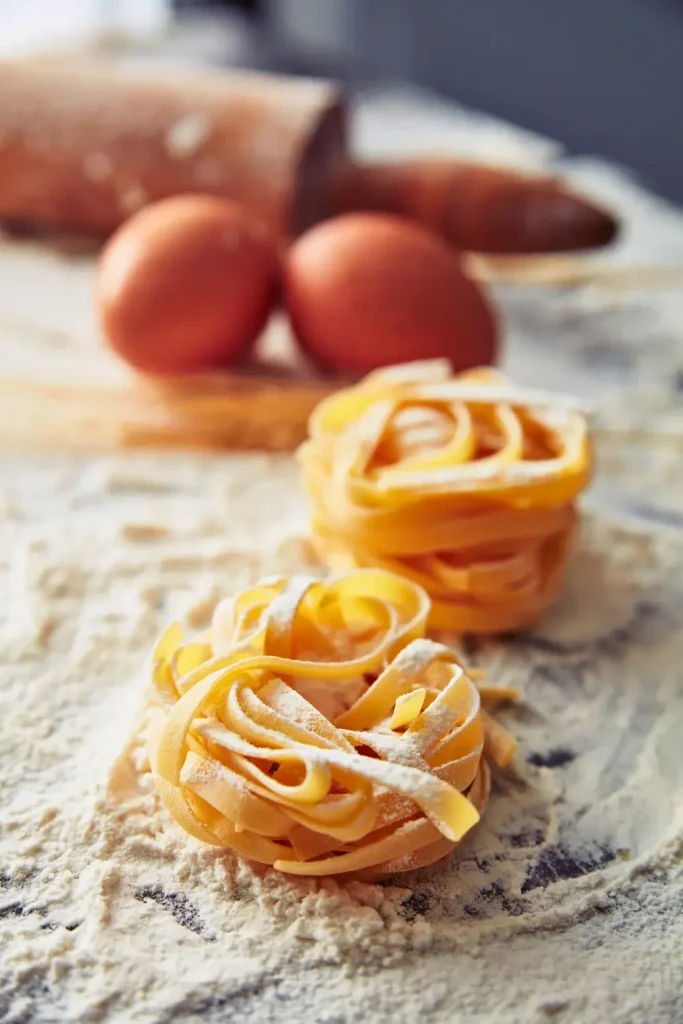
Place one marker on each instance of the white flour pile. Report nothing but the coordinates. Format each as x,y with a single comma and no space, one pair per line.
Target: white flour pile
564,905
561,900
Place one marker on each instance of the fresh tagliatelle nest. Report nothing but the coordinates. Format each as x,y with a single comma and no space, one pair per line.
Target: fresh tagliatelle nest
318,731
465,484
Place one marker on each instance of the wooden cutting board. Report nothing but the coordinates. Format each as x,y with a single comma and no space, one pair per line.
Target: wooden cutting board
61,388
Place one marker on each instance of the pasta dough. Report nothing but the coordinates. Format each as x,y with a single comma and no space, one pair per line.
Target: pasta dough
243,759
464,484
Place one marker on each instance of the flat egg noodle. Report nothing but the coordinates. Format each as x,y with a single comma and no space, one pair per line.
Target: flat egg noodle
242,759
465,485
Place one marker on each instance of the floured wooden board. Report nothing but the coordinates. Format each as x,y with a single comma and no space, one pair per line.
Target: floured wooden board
565,904
60,386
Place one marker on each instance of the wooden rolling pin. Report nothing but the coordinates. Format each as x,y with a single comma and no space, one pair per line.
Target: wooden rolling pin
83,147
483,209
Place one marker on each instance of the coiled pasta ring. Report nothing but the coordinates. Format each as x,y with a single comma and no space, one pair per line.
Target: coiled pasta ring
465,485
318,731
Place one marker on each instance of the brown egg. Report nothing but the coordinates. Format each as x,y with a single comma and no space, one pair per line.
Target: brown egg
369,290
186,284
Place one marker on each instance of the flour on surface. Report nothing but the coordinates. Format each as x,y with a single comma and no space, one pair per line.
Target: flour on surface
565,903
109,910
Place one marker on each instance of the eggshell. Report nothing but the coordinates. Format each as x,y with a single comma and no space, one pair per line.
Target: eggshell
186,284
369,290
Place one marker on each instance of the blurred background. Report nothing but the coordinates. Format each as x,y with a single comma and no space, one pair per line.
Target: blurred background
602,77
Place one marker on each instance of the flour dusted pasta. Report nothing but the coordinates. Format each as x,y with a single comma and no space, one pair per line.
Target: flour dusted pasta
317,730
464,484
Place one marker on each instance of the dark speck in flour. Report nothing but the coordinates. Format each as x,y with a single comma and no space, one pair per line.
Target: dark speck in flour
556,863
416,905
177,905
558,757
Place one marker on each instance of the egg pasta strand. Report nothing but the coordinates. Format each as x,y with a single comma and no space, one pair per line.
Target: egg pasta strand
318,731
465,485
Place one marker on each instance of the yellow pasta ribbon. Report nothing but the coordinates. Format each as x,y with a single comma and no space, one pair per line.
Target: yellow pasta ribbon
463,484
317,730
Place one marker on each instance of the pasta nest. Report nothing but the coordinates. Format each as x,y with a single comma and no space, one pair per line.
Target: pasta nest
318,731
464,484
